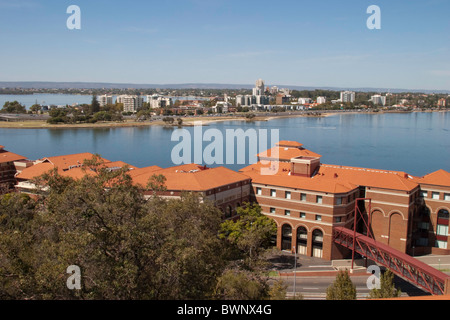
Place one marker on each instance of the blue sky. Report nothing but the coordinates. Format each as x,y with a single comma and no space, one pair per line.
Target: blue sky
291,42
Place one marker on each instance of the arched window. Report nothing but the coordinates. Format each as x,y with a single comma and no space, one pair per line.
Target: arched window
317,243
302,240
286,237
443,214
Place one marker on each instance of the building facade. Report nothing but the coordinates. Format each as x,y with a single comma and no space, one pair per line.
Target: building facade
223,187
104,100
131,103
8,169
348,96
308,199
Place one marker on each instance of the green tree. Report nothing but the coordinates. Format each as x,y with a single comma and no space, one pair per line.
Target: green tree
35,108
342,288
13,107
95,105
127,247
278,290
387,287
251,233
241,285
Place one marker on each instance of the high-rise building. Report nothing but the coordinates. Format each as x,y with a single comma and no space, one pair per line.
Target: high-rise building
348,96
378,100
240,100
260,87
104,100
130,103
321,100
157,101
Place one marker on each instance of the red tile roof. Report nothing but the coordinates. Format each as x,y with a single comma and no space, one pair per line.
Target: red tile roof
439,178
62,163
287,153
395,180
6,156
292,144
282,178
190,177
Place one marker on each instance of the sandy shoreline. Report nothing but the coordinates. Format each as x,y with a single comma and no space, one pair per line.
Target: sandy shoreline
188,121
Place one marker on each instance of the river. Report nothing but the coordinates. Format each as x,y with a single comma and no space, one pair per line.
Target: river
417,143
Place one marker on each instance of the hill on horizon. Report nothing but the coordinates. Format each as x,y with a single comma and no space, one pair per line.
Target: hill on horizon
104,85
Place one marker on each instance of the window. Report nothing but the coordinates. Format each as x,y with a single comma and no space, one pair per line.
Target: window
303,197
441,244
287,212
258,191
288,195
447,197
273,210
424,194
318,217
302,215
339,201
435,195
338,219
319,199
442,230
273,193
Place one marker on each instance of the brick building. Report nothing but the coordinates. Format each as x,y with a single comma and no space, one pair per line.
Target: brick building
226,188
8,169
66,165
307,199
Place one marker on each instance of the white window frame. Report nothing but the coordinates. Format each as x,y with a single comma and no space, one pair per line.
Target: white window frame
319,199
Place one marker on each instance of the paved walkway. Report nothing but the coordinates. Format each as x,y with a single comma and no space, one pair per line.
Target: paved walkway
284,264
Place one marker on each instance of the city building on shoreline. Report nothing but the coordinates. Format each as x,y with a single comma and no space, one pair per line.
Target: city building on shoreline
347,96
131,103
104,100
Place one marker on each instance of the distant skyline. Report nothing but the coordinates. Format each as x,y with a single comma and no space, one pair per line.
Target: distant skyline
320,43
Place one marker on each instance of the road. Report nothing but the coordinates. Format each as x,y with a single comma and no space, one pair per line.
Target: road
315,288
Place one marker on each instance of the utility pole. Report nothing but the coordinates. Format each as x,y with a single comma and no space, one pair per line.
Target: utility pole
295,271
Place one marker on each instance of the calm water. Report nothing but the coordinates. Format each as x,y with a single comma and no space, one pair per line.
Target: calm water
46,99
418,143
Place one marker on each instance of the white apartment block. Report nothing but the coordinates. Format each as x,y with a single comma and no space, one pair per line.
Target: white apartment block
157,101
378,100
104,100
348,96
130,103
321,100
304,101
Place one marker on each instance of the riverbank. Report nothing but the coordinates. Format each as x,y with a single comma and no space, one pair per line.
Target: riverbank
187,121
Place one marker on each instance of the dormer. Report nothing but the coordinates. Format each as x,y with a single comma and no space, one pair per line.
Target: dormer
304,166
